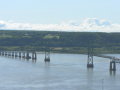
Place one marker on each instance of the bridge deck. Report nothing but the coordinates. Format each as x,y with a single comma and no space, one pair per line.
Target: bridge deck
117,60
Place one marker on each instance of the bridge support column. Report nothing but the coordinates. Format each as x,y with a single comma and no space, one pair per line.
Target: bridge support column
19,54
2,53
90,58
5,53
112,65
9,53
23,55
27,56
47,56
16,54
34,56
13,54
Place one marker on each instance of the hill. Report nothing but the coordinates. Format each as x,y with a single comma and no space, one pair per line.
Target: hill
73,42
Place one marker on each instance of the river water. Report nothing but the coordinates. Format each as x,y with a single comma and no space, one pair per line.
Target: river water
64,72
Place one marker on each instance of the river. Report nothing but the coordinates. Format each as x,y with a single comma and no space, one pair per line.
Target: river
64,72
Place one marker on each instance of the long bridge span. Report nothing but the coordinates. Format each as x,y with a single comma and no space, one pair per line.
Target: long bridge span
33,56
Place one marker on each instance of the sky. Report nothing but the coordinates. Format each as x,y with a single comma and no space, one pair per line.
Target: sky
66,15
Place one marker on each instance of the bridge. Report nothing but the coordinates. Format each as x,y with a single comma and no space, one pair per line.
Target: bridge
27,55
91,54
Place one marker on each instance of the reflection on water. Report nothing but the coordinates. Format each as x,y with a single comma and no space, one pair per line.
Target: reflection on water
90,70
63,72
47,64
112,73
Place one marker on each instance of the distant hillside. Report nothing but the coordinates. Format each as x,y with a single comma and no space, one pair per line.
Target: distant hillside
58,40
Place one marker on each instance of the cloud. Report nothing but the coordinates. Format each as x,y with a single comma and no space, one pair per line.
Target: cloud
2,24
87,25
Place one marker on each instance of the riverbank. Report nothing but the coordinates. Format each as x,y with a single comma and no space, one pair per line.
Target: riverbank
73,50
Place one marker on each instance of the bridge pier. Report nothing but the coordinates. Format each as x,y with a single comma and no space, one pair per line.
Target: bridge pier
2,53
47,56
27,56
90,58
13,54
9,53
5,53
16,54
112,65
19,54
34,56
23,55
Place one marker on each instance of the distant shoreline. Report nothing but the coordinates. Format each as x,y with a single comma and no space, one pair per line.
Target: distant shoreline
71,50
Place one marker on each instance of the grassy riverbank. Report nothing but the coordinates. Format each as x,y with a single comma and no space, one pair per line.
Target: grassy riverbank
74,50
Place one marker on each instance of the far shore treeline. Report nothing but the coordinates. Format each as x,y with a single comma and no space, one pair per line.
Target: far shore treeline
62,42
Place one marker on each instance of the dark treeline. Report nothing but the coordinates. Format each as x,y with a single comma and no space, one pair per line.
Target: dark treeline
58,39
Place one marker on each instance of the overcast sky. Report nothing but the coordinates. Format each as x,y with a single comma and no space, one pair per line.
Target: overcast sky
52,12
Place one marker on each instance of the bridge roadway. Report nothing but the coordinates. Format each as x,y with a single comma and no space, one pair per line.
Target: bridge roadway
112,58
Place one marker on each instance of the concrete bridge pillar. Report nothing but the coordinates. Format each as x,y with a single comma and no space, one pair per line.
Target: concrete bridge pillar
112,65
90,58
9,53
16,55
27,56
12,53
2,53
20,55
23,55
34,56
47,56
5,53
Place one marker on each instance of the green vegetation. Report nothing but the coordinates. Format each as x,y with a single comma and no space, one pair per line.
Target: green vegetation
49,36
69,42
